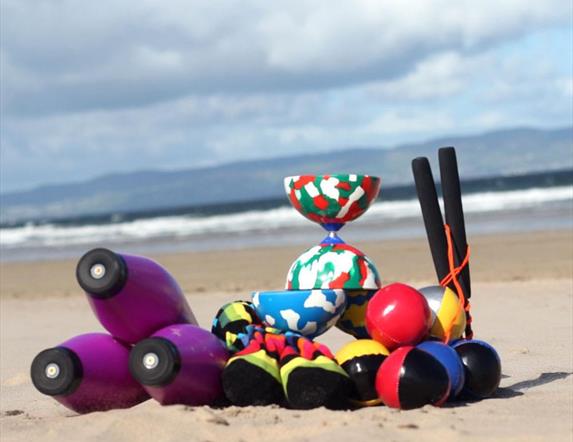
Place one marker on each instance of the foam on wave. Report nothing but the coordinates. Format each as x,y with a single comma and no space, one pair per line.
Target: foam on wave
50,235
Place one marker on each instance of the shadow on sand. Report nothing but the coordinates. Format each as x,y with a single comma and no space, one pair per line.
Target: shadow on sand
516,389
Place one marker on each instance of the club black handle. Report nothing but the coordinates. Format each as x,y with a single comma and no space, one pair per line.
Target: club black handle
432,215
452,193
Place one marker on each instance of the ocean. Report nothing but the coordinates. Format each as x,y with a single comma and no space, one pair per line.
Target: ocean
540,201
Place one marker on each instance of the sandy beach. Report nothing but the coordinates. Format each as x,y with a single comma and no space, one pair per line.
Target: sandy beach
522,304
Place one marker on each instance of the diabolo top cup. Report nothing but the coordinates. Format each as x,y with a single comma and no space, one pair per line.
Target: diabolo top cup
332,200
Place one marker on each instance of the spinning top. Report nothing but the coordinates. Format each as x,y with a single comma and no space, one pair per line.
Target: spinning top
332,201
87,373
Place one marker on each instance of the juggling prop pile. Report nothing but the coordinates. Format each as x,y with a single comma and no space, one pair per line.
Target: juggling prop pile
328,285
409,348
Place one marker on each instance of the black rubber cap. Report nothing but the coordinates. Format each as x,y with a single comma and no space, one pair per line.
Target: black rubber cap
66,373
167,365
111,280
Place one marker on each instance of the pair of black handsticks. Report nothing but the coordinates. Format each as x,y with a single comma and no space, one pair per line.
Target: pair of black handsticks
432,214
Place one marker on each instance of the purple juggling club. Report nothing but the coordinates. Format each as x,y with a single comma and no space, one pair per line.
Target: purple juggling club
180,364
88,373
132,296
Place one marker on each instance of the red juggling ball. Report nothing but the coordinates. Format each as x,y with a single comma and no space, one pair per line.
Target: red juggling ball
398,315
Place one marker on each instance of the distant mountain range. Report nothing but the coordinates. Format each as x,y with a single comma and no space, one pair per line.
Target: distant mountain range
499,153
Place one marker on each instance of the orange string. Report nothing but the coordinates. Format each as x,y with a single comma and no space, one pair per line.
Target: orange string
452,276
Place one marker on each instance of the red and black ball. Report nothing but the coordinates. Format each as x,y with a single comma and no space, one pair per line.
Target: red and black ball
411,378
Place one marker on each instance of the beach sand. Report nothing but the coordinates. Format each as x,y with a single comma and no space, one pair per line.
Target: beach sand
522,304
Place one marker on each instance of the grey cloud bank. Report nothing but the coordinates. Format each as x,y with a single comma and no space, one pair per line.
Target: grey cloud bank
96,87
67,56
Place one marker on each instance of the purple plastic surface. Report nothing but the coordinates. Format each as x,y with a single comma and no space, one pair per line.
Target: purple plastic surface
106,381
203,357
150,299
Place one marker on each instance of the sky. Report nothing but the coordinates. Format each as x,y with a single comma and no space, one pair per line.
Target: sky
90,88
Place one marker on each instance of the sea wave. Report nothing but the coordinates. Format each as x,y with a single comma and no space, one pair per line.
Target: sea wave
51,235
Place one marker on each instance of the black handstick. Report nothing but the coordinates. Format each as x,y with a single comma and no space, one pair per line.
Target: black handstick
432,216
452,194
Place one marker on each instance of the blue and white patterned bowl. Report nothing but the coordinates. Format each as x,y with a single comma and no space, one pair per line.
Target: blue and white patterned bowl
308,312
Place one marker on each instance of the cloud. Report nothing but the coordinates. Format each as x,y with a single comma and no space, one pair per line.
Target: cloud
91,88
439,76
66,56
